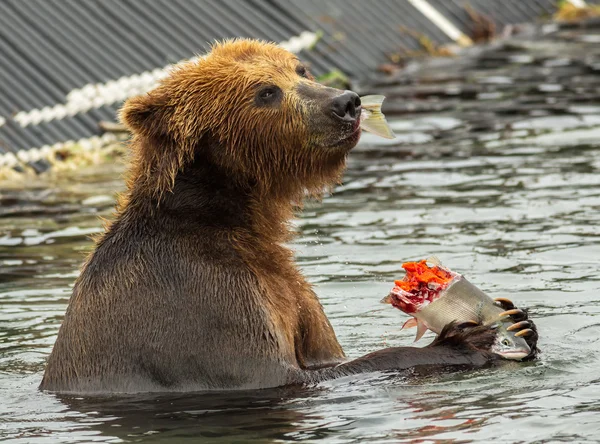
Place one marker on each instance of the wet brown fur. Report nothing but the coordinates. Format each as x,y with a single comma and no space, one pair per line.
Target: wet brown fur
191,287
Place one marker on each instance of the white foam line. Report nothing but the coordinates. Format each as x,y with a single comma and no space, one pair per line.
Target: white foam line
46,151
2,120
95,95
441,22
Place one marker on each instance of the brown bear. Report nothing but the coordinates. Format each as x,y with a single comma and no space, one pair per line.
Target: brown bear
192,287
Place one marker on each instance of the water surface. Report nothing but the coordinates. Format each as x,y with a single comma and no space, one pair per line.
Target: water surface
495,171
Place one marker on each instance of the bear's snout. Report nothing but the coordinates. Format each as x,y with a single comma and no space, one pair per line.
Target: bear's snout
346,106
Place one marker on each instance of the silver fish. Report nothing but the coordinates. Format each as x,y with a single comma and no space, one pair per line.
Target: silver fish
460,301
372,119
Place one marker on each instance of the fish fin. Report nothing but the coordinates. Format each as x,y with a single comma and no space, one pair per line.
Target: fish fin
387,299
372,101
434,260
412,322
421,329
375,123
372,119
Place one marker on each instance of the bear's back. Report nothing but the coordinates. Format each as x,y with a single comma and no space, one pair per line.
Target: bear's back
168,310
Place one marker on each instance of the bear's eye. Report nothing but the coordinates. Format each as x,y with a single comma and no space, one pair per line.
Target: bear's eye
301,71
268,95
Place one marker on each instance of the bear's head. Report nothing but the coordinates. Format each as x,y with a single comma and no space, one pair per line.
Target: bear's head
252,110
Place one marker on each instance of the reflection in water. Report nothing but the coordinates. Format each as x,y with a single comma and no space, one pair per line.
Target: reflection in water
496,171
264,415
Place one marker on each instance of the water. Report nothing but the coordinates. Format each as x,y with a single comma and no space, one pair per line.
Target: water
495,172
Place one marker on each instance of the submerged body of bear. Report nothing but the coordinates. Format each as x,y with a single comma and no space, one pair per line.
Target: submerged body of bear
192,286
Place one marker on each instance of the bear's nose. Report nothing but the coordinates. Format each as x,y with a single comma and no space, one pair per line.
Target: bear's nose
346,105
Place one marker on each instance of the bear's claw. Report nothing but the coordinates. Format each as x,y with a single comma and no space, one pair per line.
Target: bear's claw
528,329
519,326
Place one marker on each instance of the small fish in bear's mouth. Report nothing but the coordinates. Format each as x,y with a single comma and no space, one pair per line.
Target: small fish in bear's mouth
436,296
372,119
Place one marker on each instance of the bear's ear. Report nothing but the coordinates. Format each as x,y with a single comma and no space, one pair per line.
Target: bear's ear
147,114
156,155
